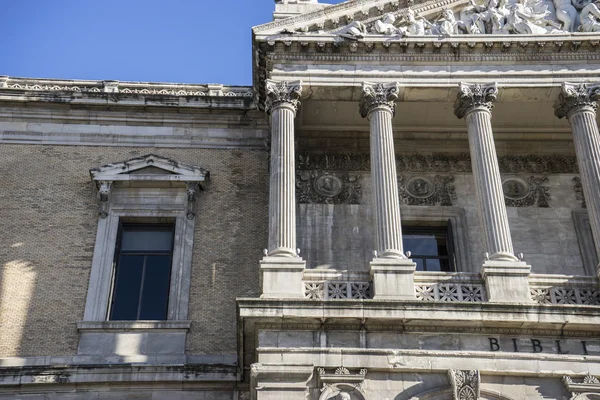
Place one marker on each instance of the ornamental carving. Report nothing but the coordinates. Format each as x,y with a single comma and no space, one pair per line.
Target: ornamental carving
586,388
342,384
520,193
480,17
327,188
465,384
554,164
472,96
574,96
104,189
423,191
579,196
378,95
283,93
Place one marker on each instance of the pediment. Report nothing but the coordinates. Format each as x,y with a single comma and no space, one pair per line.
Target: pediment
372,19
149,168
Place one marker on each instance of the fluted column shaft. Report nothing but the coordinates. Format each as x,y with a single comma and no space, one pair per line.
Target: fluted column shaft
282,103
378,106
474,103
579,103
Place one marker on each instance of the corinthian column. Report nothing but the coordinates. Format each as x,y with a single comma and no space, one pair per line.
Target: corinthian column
392,272
506,278
578,103
282,268
378,105
475,103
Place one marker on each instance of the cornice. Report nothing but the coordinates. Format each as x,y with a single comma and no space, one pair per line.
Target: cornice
126,93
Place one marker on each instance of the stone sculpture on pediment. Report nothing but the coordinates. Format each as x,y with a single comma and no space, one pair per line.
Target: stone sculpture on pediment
497,17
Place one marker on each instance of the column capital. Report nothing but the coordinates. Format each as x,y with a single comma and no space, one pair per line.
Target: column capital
473,96
378,95
576,96
283,93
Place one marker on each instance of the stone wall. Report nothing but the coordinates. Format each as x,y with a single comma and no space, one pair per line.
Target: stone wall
48,221
340,236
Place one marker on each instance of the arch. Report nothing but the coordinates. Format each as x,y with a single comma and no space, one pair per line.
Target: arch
445,393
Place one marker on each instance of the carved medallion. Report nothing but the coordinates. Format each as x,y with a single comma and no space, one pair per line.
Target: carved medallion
420,187
520,193
515,189
422,191
328,185
327,188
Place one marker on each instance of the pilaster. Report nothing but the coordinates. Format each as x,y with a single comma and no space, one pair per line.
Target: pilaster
578,103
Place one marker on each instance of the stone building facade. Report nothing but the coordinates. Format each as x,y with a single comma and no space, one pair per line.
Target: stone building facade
404,205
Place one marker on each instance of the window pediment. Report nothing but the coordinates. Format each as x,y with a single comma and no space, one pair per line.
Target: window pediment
151,169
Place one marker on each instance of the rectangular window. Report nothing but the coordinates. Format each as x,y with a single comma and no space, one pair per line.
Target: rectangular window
430,247
143,271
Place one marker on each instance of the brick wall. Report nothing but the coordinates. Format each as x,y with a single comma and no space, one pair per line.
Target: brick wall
48,220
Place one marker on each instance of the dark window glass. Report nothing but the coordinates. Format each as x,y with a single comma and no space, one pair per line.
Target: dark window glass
430,248
143,272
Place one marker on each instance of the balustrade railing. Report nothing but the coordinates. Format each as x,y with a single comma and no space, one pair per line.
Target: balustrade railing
449,287
564,289
336,285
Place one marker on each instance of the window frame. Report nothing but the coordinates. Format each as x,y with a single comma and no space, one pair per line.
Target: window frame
123,225
442,217
125,193
420,229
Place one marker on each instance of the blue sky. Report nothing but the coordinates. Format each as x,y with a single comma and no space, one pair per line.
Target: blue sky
187,41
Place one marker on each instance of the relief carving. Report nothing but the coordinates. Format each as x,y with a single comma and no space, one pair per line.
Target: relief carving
465,384
518,193
327,188
422,191
579,196
554,164
104,188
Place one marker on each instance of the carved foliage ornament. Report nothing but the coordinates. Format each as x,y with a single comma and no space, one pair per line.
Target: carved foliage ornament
554,164
283,93
421,191
475,96
378,95
575,96
327,188
518,193
465,384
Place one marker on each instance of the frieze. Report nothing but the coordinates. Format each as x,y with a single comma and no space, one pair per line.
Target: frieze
324,187
521,193
553,164
425,191
578,188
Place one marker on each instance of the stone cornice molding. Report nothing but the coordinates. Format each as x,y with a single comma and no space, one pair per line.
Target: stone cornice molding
473,97
283,94
576,97
378,95
120,89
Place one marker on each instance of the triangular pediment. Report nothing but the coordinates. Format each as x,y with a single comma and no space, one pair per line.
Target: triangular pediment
149,168
364,19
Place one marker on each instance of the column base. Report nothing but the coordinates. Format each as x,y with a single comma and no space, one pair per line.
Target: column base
507,281
393,279
282,277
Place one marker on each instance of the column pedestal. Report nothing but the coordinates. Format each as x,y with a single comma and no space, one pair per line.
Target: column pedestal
393,279
506,281
282,277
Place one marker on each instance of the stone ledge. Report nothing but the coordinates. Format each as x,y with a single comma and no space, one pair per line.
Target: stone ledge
104,326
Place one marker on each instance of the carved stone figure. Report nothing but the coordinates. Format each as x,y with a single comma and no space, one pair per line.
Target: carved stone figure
531,18
415,26
566,13
590,18
385,26
489,18
354,30
448,25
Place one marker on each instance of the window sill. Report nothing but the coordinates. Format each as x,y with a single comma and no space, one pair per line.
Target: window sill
104,326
